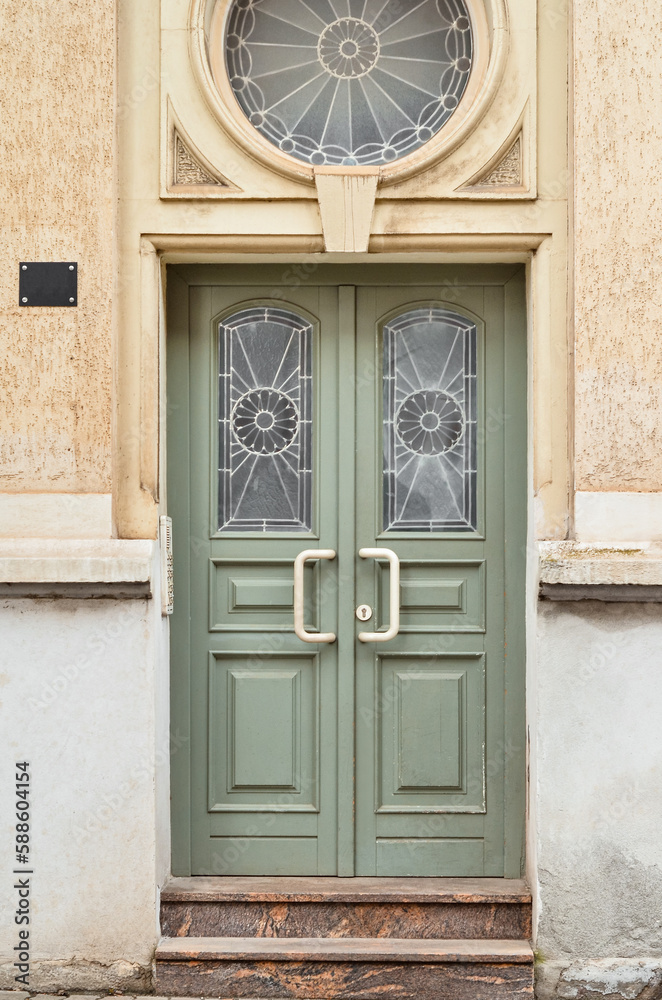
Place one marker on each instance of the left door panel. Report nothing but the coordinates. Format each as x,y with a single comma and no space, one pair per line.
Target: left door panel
252,481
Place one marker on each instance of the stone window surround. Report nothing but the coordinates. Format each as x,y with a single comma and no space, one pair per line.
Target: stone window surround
208,57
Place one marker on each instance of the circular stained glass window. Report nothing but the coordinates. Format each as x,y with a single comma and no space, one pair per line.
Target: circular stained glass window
352,82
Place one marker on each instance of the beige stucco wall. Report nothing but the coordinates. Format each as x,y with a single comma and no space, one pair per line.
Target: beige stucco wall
56,189
618,230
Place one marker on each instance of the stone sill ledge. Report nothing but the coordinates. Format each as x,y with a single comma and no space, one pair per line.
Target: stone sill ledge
595,571
38,567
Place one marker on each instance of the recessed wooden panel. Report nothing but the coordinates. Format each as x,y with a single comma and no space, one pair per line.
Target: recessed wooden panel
437,595
272,826
263,712
430,733
260,594
246,855
257,595
263,732
430,856
429,730
421,595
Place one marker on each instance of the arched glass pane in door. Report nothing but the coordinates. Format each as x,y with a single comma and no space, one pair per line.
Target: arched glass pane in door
349,81
429,422
265,421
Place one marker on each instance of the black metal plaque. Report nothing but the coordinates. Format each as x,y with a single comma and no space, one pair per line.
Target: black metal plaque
51,283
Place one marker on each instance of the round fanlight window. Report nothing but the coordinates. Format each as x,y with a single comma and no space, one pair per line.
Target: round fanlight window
349,82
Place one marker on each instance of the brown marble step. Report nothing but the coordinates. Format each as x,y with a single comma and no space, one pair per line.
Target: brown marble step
341,908
356,969
320,888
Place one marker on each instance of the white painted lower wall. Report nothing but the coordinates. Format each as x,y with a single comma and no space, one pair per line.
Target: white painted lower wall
84,697
599,798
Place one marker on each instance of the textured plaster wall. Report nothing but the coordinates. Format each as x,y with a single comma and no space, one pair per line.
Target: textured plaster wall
599,764
618,267
56,191
78,692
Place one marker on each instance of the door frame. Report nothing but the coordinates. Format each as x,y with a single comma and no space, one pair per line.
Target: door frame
515,785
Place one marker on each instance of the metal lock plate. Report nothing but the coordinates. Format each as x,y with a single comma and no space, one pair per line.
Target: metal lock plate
364,612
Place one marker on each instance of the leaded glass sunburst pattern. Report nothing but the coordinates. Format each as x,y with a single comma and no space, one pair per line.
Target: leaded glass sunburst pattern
349,81
265,421
429,422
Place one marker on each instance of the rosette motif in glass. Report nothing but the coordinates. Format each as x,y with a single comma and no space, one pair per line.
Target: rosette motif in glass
348,81
429,422
265,421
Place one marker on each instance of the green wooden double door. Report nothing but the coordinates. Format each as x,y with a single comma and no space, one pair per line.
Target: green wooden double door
346,478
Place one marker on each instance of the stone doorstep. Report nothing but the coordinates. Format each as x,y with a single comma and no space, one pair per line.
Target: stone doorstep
300,907
430,921
342,950
330,889
345,969
355,981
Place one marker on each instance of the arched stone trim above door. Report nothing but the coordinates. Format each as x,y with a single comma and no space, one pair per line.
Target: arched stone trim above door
207,25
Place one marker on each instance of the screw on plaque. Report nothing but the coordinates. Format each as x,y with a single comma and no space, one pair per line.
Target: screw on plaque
364,612
48,283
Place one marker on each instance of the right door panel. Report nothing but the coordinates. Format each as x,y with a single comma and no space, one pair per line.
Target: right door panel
432,426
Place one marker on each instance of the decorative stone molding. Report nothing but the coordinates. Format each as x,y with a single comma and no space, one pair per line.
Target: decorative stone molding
189,173
506,173
346,203
116,568
188,169
572,571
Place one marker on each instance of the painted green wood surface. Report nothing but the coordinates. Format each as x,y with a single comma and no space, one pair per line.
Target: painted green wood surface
401,758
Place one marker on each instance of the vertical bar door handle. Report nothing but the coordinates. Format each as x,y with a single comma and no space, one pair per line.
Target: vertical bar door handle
394,595
299,564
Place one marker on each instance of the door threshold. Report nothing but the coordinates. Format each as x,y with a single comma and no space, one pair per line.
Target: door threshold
366,889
